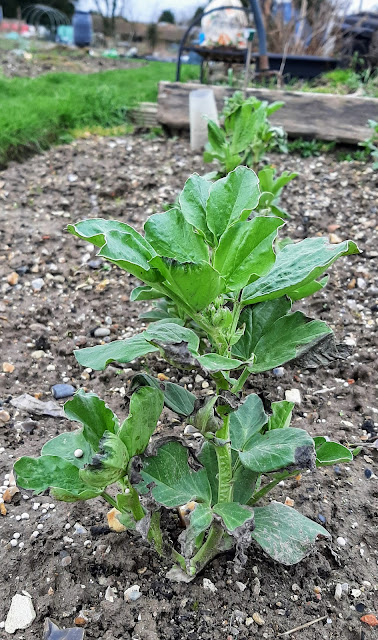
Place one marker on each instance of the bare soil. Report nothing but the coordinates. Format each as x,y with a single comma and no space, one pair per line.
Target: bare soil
129,179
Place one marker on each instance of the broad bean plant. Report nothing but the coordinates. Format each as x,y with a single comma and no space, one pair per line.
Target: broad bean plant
226,286
246,135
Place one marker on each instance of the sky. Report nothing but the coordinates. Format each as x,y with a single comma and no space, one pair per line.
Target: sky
150,10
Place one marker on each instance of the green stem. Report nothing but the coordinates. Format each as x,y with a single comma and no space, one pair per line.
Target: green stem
268,487
109,499
134,503
224,463
239,384
209,549
154,533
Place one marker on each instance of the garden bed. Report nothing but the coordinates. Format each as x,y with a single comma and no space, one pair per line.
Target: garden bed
129,179
311,115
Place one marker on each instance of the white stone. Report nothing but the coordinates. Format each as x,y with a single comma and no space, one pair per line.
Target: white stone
132,593
20,615
208,585
338,592
293,395
78,453
341,541
110,594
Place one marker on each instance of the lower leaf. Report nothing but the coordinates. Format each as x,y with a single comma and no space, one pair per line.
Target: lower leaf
55,473
284,533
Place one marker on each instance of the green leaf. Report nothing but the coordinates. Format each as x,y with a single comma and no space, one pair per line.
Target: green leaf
171,333
216,136
328,453
95,416
208,458
233,514
200,519
246,250
281,415
174,483
173,237
278,449
177,398
274,336
197,284
108,465
244,123
144,292
214,362
62,477
244,484
308,289
296,265
120,243
131,254
66,444
119,351
284,534
232,199
193,200
146,405
95,231
248,420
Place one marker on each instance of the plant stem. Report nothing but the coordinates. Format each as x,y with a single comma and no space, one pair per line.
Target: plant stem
224,463
109,499
209,549
154,532
134,503
239,384
268,487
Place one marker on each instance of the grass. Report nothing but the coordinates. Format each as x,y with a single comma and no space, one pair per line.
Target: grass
38,112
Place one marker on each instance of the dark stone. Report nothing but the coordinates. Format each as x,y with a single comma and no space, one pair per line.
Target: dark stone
22,270
62,391
360,607
322,519
337,470
368,425
368,473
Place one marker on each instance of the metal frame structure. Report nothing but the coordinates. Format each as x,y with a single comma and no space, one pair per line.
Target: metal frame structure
255,9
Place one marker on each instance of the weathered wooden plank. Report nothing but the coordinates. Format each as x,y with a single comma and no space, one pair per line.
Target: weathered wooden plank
311,115
144,115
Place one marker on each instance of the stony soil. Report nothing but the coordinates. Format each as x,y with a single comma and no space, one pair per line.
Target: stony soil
128,179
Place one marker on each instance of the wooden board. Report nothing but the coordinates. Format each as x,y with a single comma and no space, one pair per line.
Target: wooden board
311,115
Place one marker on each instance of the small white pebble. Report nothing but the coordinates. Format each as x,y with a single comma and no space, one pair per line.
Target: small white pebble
87,543
52,506
35,534
78,453
40,526
25,516
17,535
44,510
341,541
21,545
13,543
25,497
18,518
67,526
36,506
6,476
6,483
